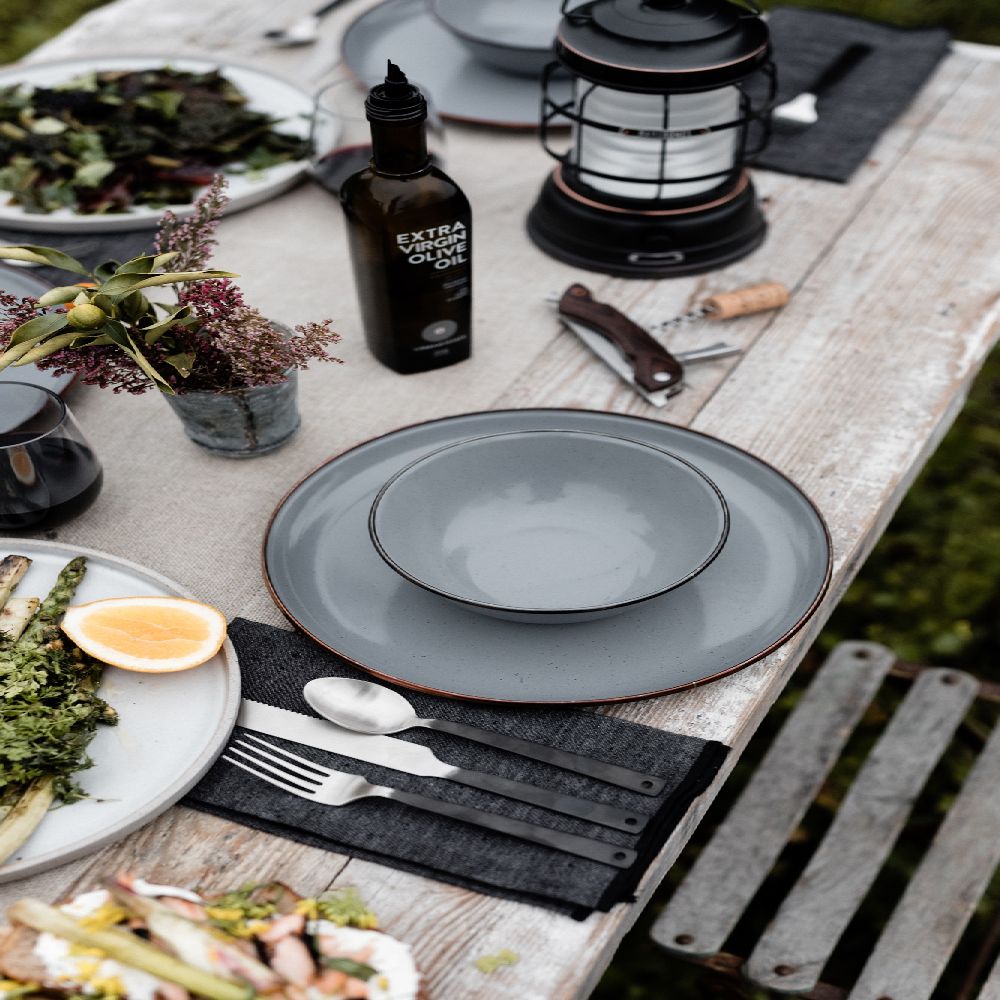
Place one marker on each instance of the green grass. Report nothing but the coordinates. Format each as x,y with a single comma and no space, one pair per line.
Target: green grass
975,21
24,24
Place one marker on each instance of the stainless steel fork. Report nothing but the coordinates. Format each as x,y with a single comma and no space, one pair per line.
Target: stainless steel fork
302,777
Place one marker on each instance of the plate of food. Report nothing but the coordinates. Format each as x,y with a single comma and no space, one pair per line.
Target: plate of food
108,143
137,940
111,746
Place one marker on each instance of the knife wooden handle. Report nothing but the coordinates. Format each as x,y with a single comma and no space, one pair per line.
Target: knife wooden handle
653,366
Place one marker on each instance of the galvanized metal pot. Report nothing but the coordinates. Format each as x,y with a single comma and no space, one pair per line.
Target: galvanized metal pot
240,423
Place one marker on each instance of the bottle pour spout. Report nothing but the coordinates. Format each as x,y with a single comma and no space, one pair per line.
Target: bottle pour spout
395,101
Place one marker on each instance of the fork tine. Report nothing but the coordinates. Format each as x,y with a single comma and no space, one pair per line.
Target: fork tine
271,781
281,771
316,771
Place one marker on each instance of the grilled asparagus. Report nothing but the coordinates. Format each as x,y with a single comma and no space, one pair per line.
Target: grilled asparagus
48,709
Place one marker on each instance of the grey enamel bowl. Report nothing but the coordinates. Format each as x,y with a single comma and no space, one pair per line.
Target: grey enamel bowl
549,526
514,36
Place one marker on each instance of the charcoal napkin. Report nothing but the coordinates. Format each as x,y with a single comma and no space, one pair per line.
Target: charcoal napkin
276,664
89,248
859,107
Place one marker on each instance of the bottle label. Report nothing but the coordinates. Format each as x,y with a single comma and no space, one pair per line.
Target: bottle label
436,247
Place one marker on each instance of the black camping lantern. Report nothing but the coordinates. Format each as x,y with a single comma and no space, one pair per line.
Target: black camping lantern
667,97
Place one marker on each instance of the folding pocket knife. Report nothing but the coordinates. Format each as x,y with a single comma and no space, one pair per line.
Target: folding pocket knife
628,349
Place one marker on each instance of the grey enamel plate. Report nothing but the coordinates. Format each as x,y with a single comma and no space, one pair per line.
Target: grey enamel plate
462,87
327,577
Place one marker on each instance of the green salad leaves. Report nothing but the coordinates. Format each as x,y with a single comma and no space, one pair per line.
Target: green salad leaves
108,140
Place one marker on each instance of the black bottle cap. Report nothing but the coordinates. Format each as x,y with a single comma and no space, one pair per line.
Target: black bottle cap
396,101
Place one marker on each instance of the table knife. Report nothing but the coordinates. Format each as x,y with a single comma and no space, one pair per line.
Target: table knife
628,349
412,758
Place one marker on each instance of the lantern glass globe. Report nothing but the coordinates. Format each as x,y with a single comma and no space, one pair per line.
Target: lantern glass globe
671,166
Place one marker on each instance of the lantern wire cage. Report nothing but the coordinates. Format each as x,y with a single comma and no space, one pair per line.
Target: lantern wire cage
671,99
557,114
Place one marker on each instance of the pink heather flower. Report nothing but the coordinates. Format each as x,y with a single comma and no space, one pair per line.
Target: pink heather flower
194,238
234,345
13,312
105,367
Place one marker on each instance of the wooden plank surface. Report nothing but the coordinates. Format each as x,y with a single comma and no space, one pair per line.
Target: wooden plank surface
991,988
943,893
733,865
792,951
847,391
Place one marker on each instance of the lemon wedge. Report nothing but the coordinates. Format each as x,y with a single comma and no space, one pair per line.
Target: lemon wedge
155,635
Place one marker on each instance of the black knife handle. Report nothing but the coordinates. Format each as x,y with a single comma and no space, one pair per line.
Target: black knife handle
327,7
596,850
653,366
592,812
623,777
839,68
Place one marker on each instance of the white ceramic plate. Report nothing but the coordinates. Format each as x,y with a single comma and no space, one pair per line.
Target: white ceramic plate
171,728
265,93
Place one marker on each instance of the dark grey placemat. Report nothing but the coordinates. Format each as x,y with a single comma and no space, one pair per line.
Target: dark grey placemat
857,109
90,249
276,664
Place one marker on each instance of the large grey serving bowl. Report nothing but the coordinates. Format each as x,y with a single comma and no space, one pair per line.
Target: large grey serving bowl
549,526
511,35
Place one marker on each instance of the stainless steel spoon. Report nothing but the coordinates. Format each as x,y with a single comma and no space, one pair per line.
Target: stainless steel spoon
366,707
800,112
304,31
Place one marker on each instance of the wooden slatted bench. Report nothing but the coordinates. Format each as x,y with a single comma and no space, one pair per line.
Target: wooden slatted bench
927,922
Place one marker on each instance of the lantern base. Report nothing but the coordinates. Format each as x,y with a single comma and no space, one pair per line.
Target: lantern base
645,244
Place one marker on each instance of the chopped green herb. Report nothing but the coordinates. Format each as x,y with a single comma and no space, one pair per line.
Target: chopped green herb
490,963
357,970
345,908
243,901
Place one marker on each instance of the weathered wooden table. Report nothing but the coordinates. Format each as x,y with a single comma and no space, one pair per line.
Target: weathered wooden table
896,281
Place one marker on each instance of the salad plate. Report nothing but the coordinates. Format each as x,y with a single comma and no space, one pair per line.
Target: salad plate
19,283
325,575
462,87
171,726
265,93
549,526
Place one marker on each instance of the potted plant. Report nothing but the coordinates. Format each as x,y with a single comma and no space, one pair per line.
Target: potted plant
228,371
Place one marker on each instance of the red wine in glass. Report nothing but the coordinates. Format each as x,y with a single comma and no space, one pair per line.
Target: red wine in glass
333,168
48,473
45,482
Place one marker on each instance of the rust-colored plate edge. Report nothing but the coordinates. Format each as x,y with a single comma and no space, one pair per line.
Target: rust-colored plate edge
780,641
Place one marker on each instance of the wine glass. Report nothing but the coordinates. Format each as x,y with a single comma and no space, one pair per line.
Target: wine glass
48,471
341,138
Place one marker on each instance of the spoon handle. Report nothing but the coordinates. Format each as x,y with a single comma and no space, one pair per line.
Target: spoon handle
623,777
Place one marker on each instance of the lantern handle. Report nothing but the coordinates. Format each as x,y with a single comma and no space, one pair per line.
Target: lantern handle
572,17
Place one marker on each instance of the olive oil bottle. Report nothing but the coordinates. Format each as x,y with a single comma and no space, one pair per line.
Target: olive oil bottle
410,230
